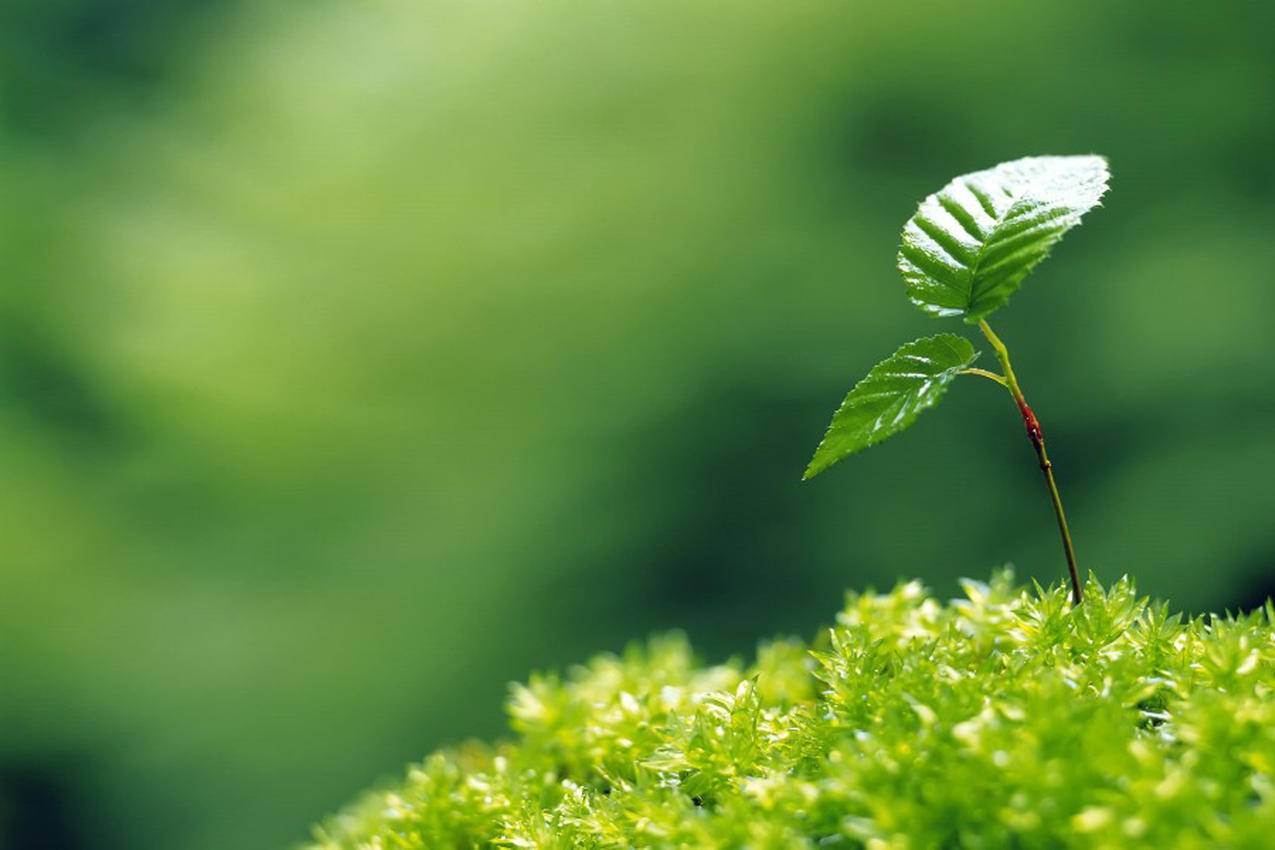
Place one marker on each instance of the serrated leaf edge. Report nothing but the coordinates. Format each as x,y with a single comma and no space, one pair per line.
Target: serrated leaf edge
928,404
965,313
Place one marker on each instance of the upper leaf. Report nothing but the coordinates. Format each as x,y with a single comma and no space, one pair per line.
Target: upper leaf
970,244
891,396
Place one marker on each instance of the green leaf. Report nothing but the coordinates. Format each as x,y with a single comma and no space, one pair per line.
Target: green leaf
891,396
970,244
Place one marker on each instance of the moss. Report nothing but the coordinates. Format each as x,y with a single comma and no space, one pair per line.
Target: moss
1004,719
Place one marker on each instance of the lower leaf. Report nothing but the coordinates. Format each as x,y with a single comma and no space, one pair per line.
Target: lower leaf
891,396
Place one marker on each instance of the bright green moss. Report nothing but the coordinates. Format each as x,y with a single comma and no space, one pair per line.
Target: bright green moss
1007,719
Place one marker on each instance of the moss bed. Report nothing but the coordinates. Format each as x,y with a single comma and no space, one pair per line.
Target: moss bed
1006,719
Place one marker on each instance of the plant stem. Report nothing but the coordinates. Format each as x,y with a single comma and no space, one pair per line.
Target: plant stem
1037,437
983,373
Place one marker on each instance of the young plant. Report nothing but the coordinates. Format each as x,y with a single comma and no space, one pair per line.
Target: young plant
965,252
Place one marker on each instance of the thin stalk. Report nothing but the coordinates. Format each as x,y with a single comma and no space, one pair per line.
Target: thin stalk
1037,437
983,373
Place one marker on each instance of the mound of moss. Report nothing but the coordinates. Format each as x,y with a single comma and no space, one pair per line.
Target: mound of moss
1007,719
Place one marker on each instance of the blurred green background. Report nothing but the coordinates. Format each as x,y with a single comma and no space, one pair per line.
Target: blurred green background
356,358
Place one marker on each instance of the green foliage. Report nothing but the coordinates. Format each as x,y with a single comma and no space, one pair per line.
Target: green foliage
970,244
967,249
1004,719
892,395
404,311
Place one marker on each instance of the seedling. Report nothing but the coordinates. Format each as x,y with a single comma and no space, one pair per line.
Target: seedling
965,252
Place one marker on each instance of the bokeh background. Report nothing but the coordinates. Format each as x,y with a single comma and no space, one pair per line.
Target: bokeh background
356,358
